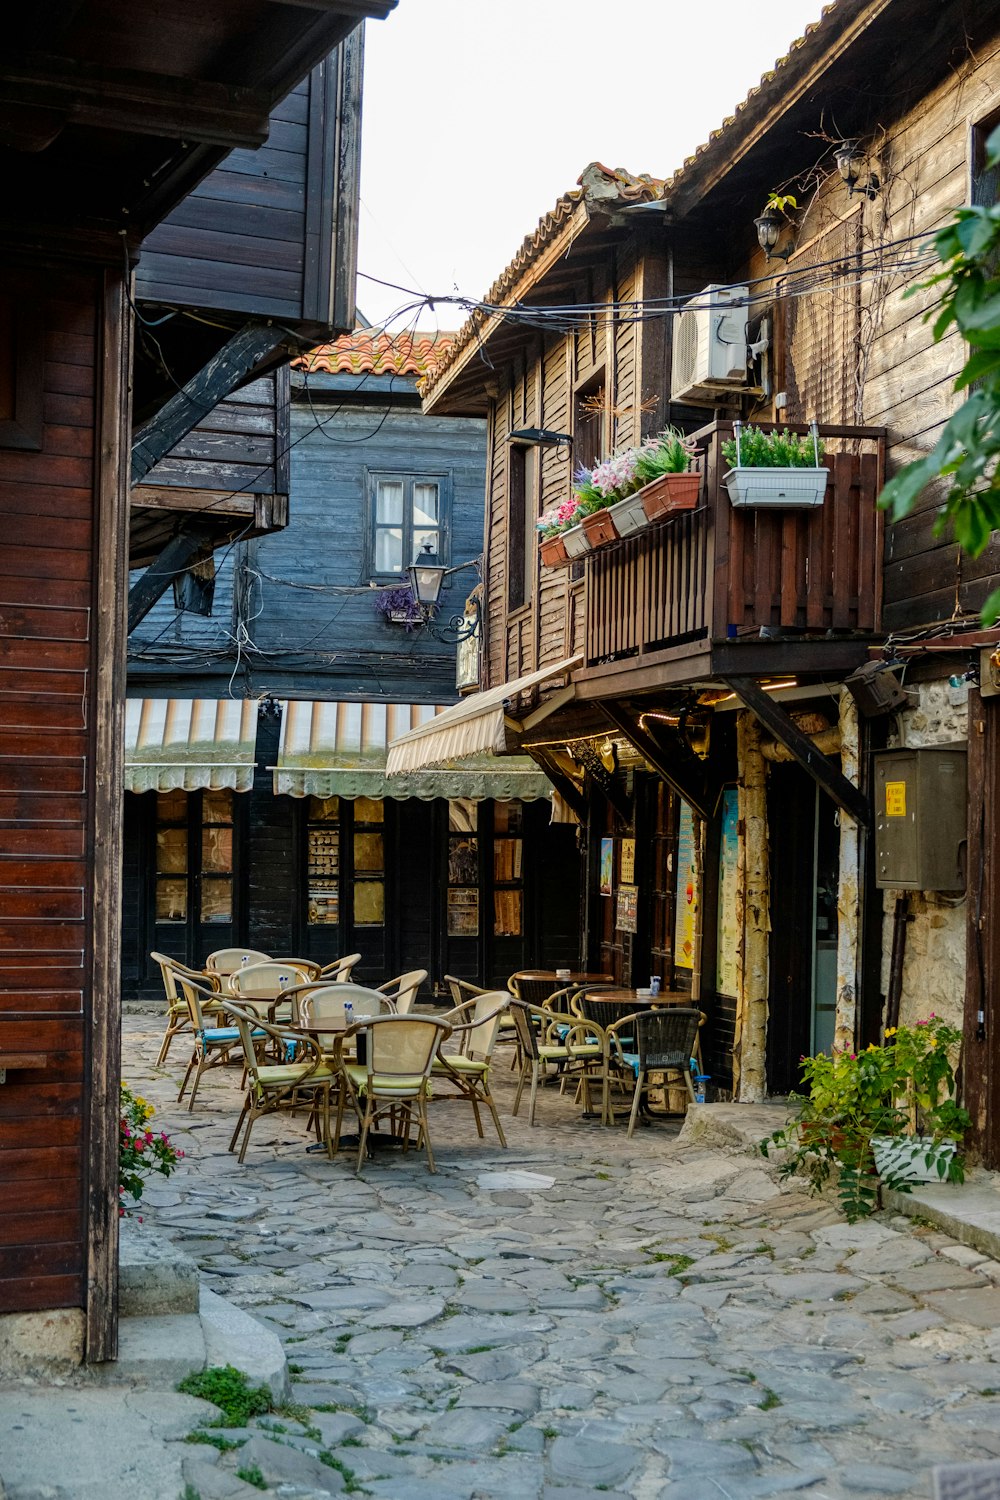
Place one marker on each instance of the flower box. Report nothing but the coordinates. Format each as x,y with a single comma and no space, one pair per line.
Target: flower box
576,541
913,1158
600,527
776,489
553,552
670,493
629,515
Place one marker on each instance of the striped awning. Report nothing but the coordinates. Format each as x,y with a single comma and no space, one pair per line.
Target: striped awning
476,725
340,750
186,743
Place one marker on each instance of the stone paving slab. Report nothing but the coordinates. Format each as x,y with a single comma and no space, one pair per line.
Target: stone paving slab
582,1315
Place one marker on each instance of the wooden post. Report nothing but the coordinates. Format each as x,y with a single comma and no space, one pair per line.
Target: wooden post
752,894
848,885
697,937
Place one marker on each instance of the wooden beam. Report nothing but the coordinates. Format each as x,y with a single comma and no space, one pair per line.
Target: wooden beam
776,718
176,497
567,790
140,102
176,555
194,401
662,764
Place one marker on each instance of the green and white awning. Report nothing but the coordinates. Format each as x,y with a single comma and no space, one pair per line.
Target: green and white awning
187,743
340,750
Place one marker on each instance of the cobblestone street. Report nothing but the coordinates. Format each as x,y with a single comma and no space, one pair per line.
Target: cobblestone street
578,1315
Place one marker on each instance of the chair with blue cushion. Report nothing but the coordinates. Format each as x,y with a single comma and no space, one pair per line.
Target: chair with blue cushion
653,1041
214,1045
177,1012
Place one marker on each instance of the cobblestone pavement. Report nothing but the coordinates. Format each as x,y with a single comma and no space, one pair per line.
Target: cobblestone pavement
577,1316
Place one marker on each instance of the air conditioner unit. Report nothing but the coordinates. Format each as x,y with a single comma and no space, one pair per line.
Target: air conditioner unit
710,345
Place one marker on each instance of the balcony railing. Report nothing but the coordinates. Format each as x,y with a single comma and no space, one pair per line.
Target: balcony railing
719,573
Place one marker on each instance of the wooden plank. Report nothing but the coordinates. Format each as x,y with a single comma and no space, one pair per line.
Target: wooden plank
190,501
845,500
868,548
26,1294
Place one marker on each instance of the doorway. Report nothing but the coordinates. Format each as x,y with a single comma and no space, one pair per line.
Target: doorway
805,863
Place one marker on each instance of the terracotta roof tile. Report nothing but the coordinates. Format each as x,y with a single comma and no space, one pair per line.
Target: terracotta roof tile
367,352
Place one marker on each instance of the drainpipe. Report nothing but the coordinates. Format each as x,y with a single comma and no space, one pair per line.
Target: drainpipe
753,904
848,885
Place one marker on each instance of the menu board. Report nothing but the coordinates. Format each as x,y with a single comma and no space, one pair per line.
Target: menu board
627,916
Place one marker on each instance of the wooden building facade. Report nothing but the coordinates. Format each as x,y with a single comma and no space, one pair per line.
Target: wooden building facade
98,145
697,716
297,842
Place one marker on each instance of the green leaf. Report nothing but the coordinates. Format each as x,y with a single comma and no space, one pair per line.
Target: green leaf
983,362
993,147
991,610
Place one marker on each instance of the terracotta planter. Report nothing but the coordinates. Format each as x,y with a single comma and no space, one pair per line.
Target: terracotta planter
670,493
600,528
552,551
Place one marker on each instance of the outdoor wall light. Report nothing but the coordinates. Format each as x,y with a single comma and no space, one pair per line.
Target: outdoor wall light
852,162
541,437
769,225
427,576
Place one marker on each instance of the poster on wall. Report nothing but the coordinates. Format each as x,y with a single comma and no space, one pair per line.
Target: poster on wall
627,875
627,915
728,950
686,905
463,913
607,867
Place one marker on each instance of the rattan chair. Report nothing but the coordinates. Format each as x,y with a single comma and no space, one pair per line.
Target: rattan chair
339,971
659,1041
178,1016
402,990
224,960
466,1072
551,1043
261,987
313,1004
284,1084
393,1080
214,1046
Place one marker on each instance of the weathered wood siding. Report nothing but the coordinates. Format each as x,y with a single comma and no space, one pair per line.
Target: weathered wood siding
61,508
302,593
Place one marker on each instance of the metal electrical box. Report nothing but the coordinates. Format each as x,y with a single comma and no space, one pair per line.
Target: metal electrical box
920,818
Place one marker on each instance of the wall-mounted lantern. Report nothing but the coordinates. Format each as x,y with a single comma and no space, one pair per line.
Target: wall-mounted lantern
852,164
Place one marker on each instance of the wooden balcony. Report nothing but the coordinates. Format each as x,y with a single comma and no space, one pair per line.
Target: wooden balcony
719,590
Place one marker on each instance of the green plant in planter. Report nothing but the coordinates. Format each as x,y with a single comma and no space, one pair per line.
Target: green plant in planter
771,450
904,1088
670,452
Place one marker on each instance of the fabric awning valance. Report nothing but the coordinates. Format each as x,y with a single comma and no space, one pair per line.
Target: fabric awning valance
185,743
475,726
340,750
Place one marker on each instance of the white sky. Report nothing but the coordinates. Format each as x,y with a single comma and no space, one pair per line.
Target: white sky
480,114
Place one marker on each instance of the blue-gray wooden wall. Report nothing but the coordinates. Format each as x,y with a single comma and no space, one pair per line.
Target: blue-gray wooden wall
293,614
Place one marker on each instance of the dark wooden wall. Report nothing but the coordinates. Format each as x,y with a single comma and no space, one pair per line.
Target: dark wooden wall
62,510
306,588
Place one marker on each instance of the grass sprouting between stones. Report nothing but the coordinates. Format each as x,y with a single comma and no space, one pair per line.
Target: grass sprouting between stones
229,1389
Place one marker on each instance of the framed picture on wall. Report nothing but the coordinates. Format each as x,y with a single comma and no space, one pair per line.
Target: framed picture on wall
607,867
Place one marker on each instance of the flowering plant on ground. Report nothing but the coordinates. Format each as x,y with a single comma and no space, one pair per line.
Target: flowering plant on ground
903,1087
141,1151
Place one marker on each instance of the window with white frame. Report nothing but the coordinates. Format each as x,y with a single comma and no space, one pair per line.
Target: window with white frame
408,513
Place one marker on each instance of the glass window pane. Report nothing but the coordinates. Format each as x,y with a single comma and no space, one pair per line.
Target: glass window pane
217,850
171,807
507,859
426,502
369,903
462,815
171,851
423,538
324,905
463,861
506,913
389,502
369,810
368,852
324,809
388,550
507,817
216,899
171,900
217,807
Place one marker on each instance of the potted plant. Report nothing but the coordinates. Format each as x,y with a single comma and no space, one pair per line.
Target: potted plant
663,467
901,1093
552,527
594,498
774,470
397,604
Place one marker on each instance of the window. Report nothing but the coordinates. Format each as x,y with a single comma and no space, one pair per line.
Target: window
323,861
408,511
523,513
507,848
194,857
369,863
588,423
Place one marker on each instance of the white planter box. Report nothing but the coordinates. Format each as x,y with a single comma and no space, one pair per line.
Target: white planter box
629,514
913,1158
576,541
777,489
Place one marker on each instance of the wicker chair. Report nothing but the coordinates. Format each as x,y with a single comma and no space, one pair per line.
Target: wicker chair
178,1016
550,1043
261,987
313,1004
476,1023
301,1073
393,1079
224,960
402,990
339,971
658,1041
213,1045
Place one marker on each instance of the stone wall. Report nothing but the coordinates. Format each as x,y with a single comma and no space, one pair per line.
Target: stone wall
934,966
